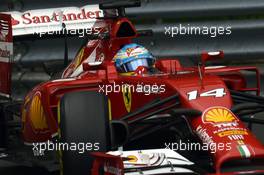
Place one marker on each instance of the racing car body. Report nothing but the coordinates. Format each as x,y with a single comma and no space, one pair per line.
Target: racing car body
209,100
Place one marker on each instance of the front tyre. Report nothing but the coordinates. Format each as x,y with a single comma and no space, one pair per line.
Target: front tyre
83,122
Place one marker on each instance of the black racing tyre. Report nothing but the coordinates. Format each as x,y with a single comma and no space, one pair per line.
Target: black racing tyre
3,128
83,119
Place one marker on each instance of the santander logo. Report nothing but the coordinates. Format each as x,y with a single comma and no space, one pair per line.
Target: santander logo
14,22
48,16
44,20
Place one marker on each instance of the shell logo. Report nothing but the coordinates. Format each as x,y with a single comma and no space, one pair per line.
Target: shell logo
218,115
132,158
37,114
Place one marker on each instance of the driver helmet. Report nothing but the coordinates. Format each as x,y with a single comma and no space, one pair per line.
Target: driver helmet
132,56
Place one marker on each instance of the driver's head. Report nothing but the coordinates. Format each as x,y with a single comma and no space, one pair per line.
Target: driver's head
132,56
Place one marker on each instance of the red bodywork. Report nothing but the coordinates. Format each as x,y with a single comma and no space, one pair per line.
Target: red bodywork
6,54
39,111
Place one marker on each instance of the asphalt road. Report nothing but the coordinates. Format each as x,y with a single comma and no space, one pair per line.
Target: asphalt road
8,168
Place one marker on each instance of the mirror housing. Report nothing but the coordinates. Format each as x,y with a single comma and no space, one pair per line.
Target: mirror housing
91,66
207,56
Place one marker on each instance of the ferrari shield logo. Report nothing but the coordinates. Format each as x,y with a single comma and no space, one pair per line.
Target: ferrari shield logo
129,51
127,96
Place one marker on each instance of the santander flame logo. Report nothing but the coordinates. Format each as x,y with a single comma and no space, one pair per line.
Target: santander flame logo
14,22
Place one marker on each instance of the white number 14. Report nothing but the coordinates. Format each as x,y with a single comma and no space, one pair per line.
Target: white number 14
213,93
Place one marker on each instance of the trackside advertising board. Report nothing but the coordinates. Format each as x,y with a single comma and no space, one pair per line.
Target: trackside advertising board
6,54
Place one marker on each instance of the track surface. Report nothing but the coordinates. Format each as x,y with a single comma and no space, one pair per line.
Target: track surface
7,168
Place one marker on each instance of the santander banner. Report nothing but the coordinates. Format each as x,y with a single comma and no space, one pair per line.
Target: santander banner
45,20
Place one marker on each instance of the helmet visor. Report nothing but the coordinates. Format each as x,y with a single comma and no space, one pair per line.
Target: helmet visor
134,64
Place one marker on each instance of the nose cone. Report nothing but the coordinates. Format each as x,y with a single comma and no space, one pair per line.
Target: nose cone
229,138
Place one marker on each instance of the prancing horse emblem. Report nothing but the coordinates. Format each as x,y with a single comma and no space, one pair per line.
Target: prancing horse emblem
127,96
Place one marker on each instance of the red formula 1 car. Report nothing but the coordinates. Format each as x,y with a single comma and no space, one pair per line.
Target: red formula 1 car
194,116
